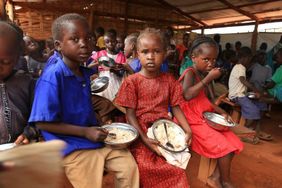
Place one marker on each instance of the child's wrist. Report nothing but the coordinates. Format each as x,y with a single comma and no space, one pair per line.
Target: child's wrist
203,83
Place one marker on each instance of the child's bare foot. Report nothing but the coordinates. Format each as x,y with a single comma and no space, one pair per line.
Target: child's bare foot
214,182
227,185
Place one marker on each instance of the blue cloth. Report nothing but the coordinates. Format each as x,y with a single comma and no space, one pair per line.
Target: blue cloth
60,96
136,65
250,109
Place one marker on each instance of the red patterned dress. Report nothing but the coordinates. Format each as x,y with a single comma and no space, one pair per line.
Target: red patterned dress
150,97
207,141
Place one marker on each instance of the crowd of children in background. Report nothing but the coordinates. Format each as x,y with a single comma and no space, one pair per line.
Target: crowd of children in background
144,82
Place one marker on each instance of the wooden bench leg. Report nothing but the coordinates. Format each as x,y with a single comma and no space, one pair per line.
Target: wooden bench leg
206,168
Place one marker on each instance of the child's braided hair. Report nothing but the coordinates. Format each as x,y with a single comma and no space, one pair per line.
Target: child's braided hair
196,49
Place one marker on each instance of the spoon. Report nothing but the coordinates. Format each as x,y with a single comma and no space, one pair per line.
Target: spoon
168,144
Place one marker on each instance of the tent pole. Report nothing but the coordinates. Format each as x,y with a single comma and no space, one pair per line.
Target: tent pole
3,15
255,37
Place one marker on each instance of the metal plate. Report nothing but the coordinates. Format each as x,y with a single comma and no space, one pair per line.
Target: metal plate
218,119
107,61
99,84
176,135
122,126
7,146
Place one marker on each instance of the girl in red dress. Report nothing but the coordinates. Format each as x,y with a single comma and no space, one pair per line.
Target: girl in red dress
146,96
207,141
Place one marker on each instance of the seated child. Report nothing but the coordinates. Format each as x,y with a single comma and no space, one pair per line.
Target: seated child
251,109
259,72
112,73
274,85
206,141
35,58
146,96
16,89
62,109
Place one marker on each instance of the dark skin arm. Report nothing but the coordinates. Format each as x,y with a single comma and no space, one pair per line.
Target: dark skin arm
249,86
269,85
190,90
177,112
94,134
150,143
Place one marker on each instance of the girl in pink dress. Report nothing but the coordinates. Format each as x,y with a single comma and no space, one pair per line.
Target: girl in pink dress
207,141
115,80
146,96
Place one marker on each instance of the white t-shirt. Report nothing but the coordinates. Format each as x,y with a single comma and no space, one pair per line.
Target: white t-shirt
236,88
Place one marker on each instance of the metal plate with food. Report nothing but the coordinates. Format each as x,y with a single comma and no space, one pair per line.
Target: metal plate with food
217,121
7,146
99,84
170,135
107,61
121,135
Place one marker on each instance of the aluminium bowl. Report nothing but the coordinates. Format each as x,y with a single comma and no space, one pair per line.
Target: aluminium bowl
123,126
7,146
107,61
217,121
251,95
99,84
178,135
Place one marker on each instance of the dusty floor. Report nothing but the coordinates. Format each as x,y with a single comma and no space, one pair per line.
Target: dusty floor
258,166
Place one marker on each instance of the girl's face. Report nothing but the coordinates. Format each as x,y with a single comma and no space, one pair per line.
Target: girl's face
151,53
110,43
76,44
8,55
206,60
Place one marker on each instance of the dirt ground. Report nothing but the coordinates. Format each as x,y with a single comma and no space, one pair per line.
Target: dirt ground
258,166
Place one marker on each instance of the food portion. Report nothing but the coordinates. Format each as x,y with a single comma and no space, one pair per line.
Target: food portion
119,135
176,135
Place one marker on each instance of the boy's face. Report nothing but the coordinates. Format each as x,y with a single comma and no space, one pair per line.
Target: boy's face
30,45
76,42
120,44
110,43
151,53
8,55
205,61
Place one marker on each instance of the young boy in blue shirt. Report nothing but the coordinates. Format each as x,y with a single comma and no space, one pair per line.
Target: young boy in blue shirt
62,109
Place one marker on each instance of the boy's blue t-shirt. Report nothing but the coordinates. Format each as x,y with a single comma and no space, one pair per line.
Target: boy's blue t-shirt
62,97
136,65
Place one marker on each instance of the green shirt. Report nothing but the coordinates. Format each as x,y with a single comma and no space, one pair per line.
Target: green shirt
277,78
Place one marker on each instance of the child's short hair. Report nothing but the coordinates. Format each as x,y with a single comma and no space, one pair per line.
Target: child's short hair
152,31
7,27
244,52
132,38
100,31
111,33
60,22
196,49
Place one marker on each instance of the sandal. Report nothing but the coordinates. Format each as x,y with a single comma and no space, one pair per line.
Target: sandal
251,140
264,136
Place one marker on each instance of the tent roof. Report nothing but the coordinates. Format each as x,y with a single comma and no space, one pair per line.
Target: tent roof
229,12
36,16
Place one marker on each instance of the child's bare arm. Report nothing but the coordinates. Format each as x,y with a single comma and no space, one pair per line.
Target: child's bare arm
189,89
92,133
150,143
179,115
248,84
